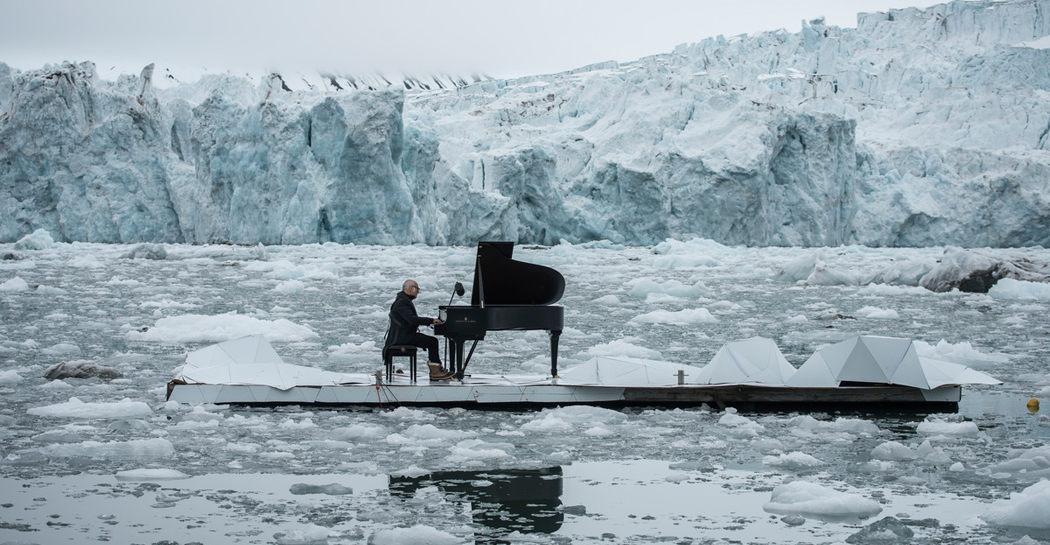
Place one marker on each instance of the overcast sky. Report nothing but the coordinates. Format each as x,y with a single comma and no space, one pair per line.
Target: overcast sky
418,37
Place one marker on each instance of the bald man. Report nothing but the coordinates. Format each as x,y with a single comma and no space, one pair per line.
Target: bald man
404,324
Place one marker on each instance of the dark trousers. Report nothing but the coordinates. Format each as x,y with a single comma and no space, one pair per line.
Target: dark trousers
428,342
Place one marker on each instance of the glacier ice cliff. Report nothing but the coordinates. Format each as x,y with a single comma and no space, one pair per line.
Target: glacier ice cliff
919,127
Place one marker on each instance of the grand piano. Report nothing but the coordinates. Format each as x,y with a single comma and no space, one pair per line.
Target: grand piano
507,295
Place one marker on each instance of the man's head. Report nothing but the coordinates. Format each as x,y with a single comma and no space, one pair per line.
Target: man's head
411,288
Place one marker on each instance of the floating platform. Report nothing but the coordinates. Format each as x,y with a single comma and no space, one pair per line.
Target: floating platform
521,392
865,373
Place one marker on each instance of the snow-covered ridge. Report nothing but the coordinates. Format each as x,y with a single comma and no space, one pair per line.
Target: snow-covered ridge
917,128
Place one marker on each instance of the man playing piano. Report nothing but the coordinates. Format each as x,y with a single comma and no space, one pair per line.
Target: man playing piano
404,324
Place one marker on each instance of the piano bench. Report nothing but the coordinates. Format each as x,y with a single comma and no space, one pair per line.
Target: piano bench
399,351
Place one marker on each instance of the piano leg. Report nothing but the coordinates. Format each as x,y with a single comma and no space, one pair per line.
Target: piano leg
554,352
456,362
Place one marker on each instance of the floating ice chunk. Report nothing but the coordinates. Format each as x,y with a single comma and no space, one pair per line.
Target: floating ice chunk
1008,288
584,414
937,426
50,290
57,385
10,378
767,445
62,349
811,499
289,287
957,467
608,301
218,328
417,535
167,303
63,435
598,431
303,424
151,475
733,420
332,489
1033,462
405,413
684,261
88,261
312,534
676,477
962,352
799,269
243,448
893,451
366,351
682,317
37,240
412,472
75,408
887,530
147,251
793,460
624,347
905,273
475,450
884,290
878,313
15,285
932,455
840,424
359,431
200,414
642,288
139,448
429,431
825,276
1025,509
971,271
814,271
692,247
547,422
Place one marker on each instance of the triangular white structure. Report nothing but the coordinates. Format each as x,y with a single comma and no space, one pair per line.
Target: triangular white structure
757,360
625,371
249,360
881,360
250,349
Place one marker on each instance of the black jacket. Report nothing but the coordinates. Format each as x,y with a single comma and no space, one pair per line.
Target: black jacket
403,321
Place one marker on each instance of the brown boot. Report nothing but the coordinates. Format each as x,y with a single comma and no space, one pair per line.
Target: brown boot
437,372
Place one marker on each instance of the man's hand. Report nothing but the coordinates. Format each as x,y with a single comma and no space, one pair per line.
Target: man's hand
438,321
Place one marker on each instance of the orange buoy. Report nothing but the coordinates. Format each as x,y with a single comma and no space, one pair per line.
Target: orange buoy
1033,405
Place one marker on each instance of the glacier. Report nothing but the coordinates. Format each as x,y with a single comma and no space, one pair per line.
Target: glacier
917,128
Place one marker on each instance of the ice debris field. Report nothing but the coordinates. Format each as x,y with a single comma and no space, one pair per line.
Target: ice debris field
91,451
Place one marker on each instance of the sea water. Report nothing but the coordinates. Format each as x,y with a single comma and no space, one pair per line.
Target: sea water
108,459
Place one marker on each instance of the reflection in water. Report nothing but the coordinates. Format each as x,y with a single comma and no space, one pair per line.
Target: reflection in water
505,500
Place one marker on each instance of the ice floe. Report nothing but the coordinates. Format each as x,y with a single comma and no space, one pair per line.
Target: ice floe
813,500
75,408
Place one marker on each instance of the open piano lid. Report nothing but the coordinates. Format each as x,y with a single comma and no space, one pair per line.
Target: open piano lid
500,280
